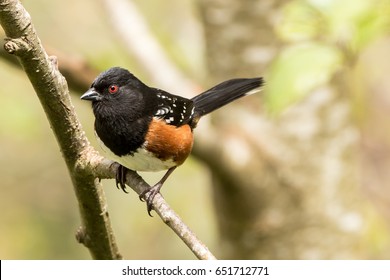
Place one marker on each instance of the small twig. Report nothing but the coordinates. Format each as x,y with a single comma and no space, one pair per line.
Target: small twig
183,231
104,168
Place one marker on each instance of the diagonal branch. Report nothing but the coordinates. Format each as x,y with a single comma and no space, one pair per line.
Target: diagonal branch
52,90
106,169
83,162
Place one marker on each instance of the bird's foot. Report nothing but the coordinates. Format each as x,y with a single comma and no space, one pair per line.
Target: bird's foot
148,196
120,178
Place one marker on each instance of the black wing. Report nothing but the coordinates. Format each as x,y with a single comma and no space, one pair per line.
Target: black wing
175,110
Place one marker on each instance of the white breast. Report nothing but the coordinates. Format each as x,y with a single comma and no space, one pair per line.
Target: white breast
141,160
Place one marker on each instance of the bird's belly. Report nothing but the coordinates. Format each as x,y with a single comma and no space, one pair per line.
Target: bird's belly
140,160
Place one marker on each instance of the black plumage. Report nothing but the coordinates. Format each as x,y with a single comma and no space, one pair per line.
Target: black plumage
148,129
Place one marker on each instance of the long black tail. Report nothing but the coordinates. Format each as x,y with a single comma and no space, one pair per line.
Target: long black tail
225,93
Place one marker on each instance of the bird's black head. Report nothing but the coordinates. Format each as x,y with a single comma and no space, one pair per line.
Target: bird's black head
116,90
111,84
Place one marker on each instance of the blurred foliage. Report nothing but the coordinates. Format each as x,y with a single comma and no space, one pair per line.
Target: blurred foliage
321,36
298,70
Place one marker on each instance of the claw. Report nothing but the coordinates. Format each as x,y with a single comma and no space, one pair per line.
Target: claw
152,191
148,196
120,178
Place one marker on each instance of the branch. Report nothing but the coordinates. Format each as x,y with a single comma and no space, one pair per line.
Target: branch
52,90
77,71
83,162
106,169
127,21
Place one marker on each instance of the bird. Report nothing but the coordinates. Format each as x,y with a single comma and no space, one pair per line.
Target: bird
148,129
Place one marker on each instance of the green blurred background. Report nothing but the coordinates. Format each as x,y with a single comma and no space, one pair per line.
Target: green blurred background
38,209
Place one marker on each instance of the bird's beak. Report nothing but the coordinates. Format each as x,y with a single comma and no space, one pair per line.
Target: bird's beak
91,95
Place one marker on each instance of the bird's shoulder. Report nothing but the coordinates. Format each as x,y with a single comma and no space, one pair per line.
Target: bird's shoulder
173,109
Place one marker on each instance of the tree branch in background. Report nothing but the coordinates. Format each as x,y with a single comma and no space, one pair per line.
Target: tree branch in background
78,72
83,162
127,21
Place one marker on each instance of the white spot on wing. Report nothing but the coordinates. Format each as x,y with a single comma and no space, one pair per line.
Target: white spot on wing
162,111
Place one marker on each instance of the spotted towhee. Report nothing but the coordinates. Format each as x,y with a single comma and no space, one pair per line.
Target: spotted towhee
148,129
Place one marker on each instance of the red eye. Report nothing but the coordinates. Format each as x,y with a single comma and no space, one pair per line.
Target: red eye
113,89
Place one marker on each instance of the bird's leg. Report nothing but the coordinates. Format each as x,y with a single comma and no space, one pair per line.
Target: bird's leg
152,191
120,177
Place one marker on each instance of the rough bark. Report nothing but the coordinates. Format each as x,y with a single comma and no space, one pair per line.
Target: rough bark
52,91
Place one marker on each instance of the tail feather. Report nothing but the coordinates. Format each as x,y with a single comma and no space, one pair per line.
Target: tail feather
225,93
